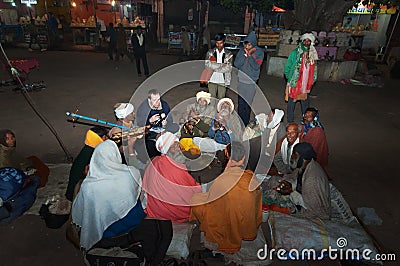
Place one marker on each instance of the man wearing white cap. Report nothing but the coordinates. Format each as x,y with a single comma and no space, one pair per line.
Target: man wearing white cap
201,109
225,123
125,114
167,182
301,73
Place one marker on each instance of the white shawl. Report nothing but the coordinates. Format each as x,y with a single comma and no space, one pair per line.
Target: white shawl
110,190
284,147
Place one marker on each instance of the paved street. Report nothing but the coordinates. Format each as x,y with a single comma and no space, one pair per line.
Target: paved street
361,123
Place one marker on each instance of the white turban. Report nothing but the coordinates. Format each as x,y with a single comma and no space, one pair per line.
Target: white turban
225,100
276,119
309,36
205,95
165,141
123,110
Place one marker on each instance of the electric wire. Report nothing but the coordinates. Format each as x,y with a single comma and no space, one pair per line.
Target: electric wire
32,104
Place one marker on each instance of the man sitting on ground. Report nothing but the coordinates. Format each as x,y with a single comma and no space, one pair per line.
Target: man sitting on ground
226,126
94,137
274,131
124,112
284,149
313,133
153,112
312,186
198,117
229,213
168,184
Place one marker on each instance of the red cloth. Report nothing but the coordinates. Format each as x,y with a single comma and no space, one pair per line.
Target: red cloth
169,188
24,65
296,91
316,137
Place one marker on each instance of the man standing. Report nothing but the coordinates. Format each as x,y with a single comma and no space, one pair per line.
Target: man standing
284,149
139,49
167,182
206,41
219,60
301,73
112,41
312,187
248,61
185,42
34,32
122,48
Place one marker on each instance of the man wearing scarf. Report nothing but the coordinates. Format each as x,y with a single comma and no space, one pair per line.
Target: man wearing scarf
167,182
284,149
312,194
313,133
301,73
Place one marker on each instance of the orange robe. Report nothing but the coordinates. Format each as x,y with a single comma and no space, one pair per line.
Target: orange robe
169,188
229,218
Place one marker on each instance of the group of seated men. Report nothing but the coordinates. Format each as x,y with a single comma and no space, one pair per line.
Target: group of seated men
162,187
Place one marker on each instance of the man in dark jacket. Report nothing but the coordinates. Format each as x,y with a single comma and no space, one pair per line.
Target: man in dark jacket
153,112
248,61
139,49
112,41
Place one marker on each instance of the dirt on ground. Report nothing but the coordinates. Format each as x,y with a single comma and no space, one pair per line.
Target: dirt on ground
361,123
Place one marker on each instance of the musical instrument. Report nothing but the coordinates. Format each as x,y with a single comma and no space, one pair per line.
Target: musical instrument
76,116
132,132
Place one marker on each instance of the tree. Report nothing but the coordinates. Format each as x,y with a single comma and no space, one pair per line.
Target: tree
305,15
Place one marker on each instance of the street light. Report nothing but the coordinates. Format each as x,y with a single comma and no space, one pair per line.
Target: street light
113,9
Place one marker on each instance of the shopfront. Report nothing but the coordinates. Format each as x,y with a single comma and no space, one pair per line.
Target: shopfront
367,28
91,18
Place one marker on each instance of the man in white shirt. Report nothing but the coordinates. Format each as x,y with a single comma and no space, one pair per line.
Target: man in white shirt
220,61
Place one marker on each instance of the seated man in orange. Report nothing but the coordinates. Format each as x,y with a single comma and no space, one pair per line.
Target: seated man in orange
313,133
229,212
167,182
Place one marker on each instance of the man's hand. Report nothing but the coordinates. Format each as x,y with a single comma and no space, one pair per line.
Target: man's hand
131,141
249,51
193,114
154,118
